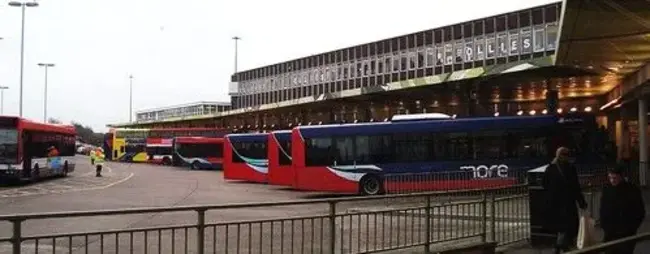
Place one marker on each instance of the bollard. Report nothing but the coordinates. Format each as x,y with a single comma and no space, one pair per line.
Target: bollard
98,170
332,217
16,238
200,231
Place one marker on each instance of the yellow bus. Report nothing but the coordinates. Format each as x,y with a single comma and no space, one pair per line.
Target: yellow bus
129,145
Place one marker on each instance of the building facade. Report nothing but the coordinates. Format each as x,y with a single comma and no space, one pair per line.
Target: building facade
497,40
201,108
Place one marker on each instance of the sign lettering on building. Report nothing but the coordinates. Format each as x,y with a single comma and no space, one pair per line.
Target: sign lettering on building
469,50
479,44
459,49
491,47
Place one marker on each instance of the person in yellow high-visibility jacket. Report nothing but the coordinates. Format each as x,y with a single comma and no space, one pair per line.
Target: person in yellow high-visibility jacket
92,156
99,161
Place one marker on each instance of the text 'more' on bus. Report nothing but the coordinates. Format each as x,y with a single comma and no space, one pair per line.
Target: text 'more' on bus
31,150
439,154
245,157
279,155
198,152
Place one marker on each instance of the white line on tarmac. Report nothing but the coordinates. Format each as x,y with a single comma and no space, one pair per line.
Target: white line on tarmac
43,191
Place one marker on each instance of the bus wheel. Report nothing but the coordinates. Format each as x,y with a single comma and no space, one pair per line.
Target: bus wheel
195,165
166,161
371,185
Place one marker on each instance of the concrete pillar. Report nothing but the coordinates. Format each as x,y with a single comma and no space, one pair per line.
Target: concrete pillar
643,140
624,144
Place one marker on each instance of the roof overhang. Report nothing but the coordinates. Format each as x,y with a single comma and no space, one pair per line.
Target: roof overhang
611,38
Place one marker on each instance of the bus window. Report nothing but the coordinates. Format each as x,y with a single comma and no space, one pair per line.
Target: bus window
344,150
489,145
458,146
284,151
319,152
8,145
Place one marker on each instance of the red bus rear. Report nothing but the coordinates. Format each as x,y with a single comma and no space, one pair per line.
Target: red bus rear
245,157
31,150
279,155
198,152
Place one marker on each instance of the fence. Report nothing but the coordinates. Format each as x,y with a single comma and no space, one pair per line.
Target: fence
339,225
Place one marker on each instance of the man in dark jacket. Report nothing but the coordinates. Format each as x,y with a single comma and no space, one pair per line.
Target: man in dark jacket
621,210
563,193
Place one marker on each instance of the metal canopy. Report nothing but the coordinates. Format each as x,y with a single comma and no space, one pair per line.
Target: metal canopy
609,37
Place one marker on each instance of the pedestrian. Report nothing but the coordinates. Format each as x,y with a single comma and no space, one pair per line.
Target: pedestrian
622,210
563,193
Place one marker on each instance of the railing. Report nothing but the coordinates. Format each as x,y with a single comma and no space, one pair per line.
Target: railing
339,225
613,244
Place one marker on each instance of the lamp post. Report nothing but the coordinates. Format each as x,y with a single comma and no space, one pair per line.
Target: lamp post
2,99
236,40
130,98
22,5
46,66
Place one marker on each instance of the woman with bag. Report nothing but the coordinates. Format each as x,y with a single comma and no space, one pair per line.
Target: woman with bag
563,193
622,210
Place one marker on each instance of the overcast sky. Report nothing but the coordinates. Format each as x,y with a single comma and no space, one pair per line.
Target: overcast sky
182,51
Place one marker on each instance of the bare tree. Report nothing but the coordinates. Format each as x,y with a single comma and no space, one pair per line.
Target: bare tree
54,121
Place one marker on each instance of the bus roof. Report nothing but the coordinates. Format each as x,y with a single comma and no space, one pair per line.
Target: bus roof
186,129
460,125
247,137
283,135
36,126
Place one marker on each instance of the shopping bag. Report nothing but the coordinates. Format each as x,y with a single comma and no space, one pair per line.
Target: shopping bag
586,232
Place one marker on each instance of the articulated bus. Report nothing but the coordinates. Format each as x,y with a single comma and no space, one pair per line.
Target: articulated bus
424,155
279,154
129,145
159,142
245,157
198,152
31,150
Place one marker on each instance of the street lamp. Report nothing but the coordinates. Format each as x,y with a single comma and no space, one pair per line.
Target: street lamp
2,99
130,98
236,40
46,66
22,5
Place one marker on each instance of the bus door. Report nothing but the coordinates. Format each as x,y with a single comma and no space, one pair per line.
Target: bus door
119,148
28,151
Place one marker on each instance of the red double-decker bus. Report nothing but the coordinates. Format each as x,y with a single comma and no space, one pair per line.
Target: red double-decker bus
159,142
31,150
279,155
245,157
198,152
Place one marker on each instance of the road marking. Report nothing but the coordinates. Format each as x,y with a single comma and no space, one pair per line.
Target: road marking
19,192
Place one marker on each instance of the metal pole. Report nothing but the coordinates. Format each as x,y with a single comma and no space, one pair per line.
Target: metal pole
22,56
130,98
45,98
236,51
2,101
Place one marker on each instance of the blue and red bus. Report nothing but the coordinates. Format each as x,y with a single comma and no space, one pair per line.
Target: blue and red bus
279,154
198,152
423,155
245,157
